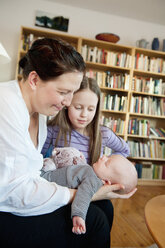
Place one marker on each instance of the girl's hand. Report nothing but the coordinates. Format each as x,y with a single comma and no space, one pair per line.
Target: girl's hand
108,192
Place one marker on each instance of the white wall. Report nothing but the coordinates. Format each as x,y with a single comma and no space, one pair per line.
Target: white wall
16,13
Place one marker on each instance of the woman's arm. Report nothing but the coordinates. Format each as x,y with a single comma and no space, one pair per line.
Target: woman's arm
106,192
23,192
72,194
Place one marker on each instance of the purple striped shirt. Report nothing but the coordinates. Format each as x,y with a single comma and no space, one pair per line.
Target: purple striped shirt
81,142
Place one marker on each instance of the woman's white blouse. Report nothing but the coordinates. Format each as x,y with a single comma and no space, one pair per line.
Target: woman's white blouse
22,190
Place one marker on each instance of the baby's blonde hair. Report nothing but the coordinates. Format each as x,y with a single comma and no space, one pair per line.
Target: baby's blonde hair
124,173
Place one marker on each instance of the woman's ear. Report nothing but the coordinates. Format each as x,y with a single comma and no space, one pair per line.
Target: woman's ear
33,79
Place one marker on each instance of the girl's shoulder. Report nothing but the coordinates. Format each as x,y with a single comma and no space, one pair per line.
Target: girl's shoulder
78,134
53,129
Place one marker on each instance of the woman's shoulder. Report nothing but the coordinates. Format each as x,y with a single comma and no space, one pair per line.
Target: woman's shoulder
11,100
9,90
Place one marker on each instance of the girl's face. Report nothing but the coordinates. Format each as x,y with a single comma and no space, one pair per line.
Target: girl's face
52,96
82,109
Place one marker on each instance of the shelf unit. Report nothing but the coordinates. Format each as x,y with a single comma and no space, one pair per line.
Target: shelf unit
28,35
117,69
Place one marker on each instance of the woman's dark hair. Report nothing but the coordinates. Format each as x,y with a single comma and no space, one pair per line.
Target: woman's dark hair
51,58
93,129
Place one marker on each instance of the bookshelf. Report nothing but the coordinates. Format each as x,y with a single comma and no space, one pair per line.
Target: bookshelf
147,115
28,35
132,82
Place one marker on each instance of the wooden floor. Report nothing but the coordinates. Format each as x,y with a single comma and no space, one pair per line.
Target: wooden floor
129,228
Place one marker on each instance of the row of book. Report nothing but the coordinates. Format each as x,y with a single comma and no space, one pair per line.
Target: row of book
116,125
98,55
142,128
151,64
147,105
113,102
109,79
158,132
139,127
20,70
148,170
27,40
148,85
149,149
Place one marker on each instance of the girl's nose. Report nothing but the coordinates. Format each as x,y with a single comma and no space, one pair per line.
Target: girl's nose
84,113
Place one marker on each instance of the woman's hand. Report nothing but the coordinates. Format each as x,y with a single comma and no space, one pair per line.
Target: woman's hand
72,194
108,192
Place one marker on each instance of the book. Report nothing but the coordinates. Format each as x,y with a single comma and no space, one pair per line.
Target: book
138,169
163,172
154,132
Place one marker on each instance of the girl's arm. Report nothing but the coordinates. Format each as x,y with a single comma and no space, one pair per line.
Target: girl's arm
48,145
114,142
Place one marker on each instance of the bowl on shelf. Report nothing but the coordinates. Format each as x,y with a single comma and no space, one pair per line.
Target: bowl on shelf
108,37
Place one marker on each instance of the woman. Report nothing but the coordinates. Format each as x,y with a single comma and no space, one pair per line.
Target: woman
34,211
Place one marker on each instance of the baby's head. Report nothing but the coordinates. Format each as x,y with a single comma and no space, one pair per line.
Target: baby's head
117,169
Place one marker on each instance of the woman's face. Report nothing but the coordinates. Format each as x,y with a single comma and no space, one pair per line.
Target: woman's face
52,96
82,109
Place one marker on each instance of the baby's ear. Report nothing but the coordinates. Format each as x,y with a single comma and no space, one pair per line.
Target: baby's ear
106,182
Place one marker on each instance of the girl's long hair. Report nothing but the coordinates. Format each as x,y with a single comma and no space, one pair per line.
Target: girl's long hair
93,129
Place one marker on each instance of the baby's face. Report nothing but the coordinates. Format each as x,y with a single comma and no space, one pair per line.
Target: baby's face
102,168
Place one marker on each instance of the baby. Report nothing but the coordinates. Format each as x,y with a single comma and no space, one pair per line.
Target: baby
87,180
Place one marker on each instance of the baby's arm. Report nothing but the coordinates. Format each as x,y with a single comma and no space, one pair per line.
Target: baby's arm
81,177
48,165
78,225
89,184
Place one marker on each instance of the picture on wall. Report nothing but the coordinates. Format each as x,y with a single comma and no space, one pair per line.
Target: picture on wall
52,21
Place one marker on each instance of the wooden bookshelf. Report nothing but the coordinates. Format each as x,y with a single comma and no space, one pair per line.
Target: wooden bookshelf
118,69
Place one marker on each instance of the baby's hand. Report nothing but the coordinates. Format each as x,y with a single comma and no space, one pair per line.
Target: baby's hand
48,164
78,225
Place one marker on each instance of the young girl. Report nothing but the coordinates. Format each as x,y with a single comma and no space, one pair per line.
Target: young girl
78,126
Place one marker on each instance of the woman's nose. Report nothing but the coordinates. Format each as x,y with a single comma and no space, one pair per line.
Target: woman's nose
67,100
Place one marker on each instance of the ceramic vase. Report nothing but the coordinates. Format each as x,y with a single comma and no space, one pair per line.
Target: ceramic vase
155,44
